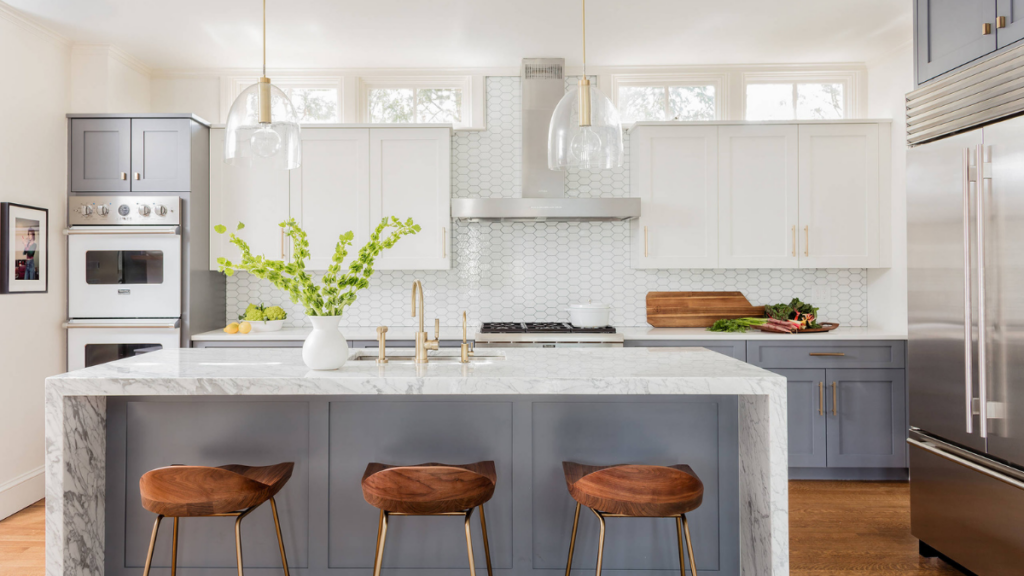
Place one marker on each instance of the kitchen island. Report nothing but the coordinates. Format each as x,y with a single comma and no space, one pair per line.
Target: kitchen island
527,409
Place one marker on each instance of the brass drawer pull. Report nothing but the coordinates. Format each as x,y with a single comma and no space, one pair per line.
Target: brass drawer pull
821,398
807,240
835,398
444,242
827,354
794,240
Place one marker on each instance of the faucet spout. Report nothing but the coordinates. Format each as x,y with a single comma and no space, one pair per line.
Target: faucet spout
417,287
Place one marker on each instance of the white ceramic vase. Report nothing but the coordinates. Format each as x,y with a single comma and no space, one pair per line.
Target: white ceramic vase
325,348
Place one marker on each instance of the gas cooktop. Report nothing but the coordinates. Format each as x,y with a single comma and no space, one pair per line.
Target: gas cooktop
540,328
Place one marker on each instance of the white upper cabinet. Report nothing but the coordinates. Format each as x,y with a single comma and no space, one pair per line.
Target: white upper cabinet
762,195
257,197
674,171
839,195
758,196
349,179
330,191
410,177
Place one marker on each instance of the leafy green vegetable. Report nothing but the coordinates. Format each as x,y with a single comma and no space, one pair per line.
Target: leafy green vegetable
778,311
736,325
336,291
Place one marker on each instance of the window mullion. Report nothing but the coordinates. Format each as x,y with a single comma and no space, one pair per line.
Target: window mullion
795,96
668,109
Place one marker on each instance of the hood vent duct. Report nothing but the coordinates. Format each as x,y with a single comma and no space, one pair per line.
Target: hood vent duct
543,85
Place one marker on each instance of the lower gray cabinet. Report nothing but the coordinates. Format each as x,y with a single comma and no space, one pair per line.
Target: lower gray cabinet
867,418
806,417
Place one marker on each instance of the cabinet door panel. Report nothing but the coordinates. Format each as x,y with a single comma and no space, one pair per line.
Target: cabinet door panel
410,176
949,34
101,154
254,195
678,187
758,196
839,196
330,191
1013,11
806,418
161,155
868,427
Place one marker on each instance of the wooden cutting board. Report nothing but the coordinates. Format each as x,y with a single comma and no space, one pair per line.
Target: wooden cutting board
697,309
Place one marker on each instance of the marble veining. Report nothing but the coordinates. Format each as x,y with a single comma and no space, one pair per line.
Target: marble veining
76,418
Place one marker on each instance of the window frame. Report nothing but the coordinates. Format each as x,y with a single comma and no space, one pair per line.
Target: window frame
849,79
463,83
666,81
232,86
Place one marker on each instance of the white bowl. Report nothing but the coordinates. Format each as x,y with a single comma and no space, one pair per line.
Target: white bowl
589,315
267,325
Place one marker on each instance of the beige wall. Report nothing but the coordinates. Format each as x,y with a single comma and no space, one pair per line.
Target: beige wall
199,95
106,80
33,160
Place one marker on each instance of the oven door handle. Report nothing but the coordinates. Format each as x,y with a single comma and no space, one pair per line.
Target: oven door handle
170,324
134,230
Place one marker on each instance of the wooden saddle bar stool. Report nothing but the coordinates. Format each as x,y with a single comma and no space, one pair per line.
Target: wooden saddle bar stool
203,491
430,489
634,491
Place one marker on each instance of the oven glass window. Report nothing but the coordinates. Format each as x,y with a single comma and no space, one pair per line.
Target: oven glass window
124,267
103,353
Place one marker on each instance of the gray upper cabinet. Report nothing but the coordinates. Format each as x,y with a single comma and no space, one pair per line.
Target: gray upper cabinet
951,33
161,155
806,417
1010,15
867,418
131,155
101,155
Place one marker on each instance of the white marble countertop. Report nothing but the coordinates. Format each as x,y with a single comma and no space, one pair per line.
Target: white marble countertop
628,332
231,371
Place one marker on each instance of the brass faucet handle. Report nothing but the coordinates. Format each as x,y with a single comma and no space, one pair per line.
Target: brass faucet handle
437,329
381,331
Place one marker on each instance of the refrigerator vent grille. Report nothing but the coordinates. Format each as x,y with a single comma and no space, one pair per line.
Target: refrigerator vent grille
986,92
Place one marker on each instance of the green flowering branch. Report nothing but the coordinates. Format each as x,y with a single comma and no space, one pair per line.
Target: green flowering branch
337,291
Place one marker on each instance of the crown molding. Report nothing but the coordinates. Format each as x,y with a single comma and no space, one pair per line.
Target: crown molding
28,23
115,53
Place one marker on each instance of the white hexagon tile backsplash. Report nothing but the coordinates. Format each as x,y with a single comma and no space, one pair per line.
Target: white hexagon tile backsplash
532,271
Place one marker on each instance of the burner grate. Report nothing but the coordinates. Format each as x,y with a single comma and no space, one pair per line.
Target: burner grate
540,328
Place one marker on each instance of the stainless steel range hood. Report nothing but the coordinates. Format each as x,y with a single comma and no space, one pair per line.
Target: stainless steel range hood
543,189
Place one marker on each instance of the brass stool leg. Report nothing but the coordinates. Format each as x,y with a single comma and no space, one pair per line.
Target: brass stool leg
469,543
280,540
174,548
380,524
487,547
152,545
689,545
572,540
679,536
238,538
379,555
600,541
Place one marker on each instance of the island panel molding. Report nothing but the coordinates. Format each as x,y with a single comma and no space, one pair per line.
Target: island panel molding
76,411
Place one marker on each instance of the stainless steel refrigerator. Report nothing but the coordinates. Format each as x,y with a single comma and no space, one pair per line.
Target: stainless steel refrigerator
965,232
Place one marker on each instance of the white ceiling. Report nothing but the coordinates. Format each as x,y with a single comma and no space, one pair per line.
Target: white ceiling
480,33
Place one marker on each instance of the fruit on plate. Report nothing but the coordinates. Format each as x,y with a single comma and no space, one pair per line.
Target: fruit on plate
244,328
231,328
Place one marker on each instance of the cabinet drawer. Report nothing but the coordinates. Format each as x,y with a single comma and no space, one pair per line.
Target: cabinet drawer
832,354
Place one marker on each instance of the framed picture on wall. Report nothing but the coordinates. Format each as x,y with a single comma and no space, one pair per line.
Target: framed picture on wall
24,248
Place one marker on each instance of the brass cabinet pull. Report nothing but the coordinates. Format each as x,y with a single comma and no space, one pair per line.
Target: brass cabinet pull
986,29
807,241
826,354
124,175
821,398
835,398
1000,21
646,244
138,176
444,242
794,239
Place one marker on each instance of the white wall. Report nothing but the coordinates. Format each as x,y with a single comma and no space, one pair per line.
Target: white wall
33,171
889,79
199,95
106,80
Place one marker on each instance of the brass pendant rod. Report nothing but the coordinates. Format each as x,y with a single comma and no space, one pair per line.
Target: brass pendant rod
584,38
264,38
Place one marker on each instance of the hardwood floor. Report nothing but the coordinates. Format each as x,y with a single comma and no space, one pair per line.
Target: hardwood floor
836,529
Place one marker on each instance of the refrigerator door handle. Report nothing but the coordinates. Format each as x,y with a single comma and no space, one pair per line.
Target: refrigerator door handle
968,319
983,180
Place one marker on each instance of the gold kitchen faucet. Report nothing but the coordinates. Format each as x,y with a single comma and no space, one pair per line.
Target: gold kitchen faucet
424,345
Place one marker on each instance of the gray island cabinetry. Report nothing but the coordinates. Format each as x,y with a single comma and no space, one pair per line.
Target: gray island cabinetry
527,409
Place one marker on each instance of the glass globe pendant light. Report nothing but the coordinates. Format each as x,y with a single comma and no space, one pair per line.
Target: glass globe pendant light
585,128
262,127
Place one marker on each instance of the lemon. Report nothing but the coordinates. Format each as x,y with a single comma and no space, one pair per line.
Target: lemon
232,328
244,327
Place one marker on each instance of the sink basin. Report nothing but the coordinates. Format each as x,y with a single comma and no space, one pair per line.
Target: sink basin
446,356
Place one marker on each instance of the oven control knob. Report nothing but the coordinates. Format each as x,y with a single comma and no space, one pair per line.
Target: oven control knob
102,210
159,210
144,210
85,210
123,210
